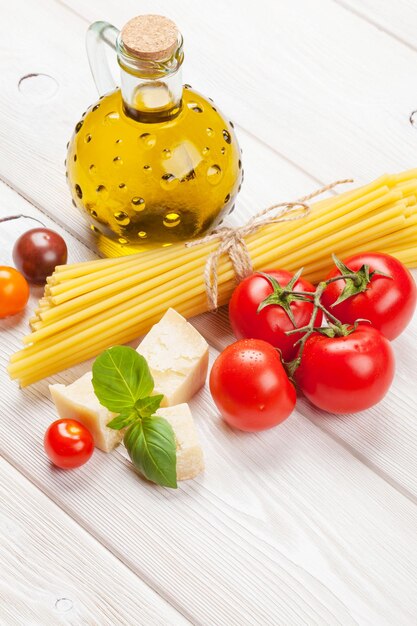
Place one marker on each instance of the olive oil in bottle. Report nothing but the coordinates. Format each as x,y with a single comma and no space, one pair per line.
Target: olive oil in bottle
153,162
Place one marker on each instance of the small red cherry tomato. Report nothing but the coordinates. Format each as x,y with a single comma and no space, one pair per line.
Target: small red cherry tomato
14,291
346,374
68,443
250,387
271,322
388,303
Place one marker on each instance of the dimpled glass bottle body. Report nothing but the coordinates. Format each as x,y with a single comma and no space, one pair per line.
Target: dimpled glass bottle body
148,170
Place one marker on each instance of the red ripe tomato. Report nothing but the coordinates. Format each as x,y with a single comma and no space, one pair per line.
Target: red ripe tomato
250,387
14,291
272,322
388,303
68,443
346,374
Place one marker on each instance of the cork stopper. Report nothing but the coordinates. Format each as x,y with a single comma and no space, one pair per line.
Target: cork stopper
152,37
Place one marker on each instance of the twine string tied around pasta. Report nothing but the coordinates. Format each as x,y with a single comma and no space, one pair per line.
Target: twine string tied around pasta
232,240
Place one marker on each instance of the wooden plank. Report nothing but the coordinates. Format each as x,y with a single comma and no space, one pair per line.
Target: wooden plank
301,532
54,572
393,452
385,436
37,125
285,527
398,20
321,86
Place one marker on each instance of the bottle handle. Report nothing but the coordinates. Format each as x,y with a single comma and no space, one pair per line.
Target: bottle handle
100,33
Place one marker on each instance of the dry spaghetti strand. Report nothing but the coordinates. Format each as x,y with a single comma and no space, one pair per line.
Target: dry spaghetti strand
89,306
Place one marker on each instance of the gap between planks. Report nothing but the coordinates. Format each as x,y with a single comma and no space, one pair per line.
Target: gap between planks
320,111
337,438
303,407
102,461
205,502
50,216
363,16
92,532
200,323
241,127
367,462
87,603
326,433
34,210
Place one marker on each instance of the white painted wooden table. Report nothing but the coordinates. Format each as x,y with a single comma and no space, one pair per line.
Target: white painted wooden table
314,522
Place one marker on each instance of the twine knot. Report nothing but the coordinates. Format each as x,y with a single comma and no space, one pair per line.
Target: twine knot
232,240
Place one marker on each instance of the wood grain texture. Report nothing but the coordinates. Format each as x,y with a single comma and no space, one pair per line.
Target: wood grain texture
383,437
94,586
397,20
54,572
37,126
319,84
285,527
299,532
288,527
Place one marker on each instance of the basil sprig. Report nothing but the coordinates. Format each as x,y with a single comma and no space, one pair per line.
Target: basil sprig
123,383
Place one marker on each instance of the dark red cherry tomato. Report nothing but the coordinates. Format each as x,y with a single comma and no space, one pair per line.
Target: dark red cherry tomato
346,374
250,387
272,322
37,252
388,303
68,443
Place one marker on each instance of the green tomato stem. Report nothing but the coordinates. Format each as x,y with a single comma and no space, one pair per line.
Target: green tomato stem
344,277
328,314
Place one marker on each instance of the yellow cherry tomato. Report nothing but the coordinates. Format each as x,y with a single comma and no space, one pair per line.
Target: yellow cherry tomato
14,291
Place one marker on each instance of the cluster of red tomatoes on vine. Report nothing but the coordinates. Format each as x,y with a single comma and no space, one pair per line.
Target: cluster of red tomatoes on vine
330,342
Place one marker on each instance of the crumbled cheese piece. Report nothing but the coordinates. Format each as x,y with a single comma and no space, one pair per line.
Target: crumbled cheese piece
190,461
78,401
177,356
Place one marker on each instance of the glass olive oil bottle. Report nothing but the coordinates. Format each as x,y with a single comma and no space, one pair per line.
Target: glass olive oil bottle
151,162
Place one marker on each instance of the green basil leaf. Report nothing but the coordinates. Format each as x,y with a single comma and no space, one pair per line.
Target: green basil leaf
132,435
147,406
121,376
122,420
150,443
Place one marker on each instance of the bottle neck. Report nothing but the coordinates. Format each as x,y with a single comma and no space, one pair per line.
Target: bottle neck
150,99
151,90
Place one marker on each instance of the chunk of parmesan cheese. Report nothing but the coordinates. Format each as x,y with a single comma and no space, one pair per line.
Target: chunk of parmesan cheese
79,402
190,461
177,356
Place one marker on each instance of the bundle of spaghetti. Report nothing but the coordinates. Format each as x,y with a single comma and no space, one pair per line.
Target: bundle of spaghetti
90,306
